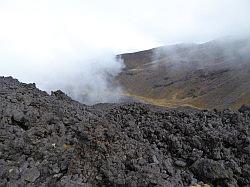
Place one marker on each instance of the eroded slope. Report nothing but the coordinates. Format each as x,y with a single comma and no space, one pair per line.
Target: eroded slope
210,75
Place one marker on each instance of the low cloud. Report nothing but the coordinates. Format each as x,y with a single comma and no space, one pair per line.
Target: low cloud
57,50
72,45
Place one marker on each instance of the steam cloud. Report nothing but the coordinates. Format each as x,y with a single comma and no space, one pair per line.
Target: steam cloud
195,55
56,52
72,45
88,79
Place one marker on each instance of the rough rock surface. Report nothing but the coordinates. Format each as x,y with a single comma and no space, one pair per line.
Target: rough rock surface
51,140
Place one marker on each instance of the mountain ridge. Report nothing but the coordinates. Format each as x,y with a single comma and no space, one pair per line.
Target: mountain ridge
214,74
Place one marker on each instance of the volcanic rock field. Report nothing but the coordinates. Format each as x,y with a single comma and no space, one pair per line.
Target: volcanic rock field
51,140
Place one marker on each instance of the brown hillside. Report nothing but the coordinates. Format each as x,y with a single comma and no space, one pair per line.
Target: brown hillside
210,75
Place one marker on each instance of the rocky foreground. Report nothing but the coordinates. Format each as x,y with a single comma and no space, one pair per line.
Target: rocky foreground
51,140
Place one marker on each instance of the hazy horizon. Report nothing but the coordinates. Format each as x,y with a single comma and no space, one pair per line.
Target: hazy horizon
71,45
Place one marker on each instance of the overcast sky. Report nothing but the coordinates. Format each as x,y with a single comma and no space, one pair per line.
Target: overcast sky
70,44
117,25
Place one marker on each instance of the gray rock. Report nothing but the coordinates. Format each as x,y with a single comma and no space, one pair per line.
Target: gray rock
210,170
155,160
244,108
31,174
14,173
180,163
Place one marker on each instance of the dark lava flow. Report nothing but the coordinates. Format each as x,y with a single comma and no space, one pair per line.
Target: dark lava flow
51,140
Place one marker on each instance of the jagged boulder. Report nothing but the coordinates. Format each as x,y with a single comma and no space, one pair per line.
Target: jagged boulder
244,108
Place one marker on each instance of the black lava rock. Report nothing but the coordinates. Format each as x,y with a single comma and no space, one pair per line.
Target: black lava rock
51,140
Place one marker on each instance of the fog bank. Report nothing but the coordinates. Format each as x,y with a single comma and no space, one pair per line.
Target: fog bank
71,45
